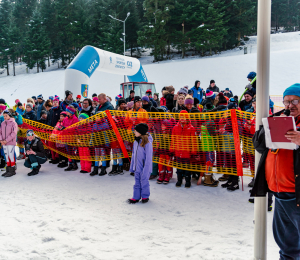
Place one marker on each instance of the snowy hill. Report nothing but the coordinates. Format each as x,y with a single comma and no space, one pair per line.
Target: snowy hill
229,69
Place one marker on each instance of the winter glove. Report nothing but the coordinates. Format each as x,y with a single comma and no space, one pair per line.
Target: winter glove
249,86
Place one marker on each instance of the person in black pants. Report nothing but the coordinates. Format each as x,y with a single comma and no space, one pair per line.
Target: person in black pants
35,153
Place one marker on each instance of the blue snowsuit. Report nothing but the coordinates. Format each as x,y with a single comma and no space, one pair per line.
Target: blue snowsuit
197,93
141,165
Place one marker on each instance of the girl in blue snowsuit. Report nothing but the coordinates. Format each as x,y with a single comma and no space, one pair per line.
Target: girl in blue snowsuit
141,163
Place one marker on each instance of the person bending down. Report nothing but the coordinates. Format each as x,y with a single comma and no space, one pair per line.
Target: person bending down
35,153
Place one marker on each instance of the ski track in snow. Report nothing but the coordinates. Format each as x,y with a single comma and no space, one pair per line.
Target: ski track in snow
69,215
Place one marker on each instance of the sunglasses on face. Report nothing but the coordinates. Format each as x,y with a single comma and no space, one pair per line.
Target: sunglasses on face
294,102
30,134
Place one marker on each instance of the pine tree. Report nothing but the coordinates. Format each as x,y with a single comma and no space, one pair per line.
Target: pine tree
5,13
36,43
154,34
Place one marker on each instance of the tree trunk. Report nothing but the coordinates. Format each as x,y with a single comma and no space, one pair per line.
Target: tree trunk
37,67
183,47
48,60
7,68
239,38
14,68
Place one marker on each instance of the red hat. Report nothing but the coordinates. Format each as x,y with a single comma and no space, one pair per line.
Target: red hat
149,91
78,96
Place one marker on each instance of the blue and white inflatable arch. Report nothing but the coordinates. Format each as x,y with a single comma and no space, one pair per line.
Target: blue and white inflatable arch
90,58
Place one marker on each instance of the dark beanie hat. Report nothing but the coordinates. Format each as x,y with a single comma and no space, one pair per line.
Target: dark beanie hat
141,128
2,101
249,93
43,112
132,91
137,99
68,92
94,95
19,104
121,101
212,81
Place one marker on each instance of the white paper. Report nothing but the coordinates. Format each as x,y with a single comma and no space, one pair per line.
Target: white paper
276,145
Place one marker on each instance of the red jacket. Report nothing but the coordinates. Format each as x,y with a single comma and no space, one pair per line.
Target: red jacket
183,140
163,102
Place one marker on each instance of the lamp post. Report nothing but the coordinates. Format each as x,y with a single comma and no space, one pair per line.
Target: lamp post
123,33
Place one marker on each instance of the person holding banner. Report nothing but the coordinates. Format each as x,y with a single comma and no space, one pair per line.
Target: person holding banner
278,171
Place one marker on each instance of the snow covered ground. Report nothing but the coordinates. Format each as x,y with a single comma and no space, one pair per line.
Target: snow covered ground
229,69
59,215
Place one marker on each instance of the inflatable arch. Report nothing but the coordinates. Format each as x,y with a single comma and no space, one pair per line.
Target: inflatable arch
90,59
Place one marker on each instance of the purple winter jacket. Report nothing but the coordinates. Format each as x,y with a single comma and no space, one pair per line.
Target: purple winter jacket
141,160
8,131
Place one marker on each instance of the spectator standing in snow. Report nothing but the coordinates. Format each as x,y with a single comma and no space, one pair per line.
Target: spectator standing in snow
8,139
197,92
252,85
141,164
212,86
87,106
39,107
68,100
179,104
278,171
228,93
35,153
30,113
156,99
104,104
247,102
149,94
131,96
147,105
169,97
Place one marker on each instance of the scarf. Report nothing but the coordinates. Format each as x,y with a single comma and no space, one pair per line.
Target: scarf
86,109
69,102
137,139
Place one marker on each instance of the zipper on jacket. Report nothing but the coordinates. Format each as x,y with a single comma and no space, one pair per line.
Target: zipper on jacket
276,172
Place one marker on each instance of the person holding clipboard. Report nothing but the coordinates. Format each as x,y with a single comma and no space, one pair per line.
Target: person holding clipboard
279,171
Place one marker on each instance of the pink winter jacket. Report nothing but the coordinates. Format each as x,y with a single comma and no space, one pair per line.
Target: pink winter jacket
68,121
8,131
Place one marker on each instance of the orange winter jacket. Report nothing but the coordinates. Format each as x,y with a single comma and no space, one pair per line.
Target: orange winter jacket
279,169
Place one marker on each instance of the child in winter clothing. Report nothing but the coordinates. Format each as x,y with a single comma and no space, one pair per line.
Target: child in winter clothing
165,172
68,121
8,137
84,152
63,161
16,104
20,109
43,119
141,164
30,113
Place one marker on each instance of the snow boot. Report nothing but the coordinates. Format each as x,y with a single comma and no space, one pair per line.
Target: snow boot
132,174
114,170
34,171
210,181
75,167
145,200
21,156
251,200
12,172
233,186
225,177
103,171
179,180
62,164
55,161
188,181
120,170
161,177
82,171
70,167
95,171
227,184
251,184
132,201
270,208
168,176
6,171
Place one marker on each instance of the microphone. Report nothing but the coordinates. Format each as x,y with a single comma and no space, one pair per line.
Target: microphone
287,112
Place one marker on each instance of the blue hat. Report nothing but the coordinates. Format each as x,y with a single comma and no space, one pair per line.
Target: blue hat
40,96
33,97
227,89
51,97
251,75
190,91
292,90
146,98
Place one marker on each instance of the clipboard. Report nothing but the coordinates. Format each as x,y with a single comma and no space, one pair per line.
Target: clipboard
279,126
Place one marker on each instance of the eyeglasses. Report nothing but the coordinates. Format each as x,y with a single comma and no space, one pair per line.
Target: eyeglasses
294,102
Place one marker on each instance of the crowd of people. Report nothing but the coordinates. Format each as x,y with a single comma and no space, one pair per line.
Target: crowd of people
277,171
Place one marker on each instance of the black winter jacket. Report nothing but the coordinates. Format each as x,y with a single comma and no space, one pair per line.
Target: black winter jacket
53,116
150,107
169,101
37,146
261,188
31,115
213,89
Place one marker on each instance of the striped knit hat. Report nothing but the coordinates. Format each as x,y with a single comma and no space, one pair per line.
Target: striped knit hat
51,97
84,116
118,97
71,110
210,94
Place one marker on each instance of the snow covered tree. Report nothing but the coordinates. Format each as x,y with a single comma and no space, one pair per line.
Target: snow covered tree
155,34
36,43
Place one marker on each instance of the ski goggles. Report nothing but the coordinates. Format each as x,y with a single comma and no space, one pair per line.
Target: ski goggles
30,133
